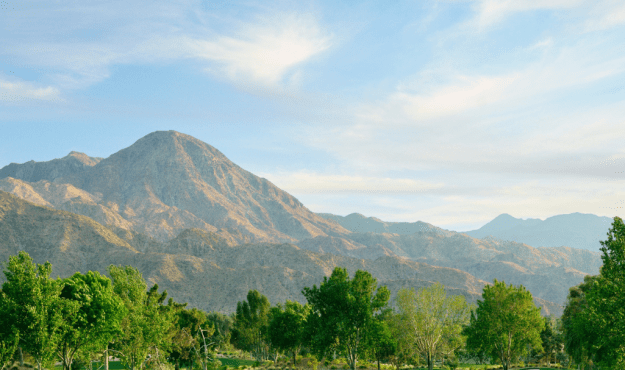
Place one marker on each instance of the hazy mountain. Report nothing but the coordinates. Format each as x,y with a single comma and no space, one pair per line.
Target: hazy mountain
167,182
576,230
361,224
211,274
32,171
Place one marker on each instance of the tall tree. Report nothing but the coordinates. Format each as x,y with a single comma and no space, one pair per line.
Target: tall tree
287,327
146,327
433,320
602,308
343,312
251,324
34,306
579,336
504,323
94,319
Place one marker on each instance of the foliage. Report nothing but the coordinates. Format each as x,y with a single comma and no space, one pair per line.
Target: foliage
287,326
146,329
93,316
251,323
594,318
223,325
9,335
343,312
189,329
579,336
381,342
434,321
34,307
504,323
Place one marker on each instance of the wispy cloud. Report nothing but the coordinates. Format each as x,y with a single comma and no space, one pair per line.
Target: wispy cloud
491,12
305,182
263,53
16,92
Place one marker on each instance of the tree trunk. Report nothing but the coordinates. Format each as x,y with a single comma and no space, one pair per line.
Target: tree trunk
294,358
378,364
430,361
106,358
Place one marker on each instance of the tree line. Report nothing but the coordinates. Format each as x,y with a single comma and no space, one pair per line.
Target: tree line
89,316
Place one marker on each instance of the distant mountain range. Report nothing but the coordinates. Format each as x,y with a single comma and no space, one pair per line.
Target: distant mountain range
208,231
575,230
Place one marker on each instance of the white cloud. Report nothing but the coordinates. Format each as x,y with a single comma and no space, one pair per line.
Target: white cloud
309,183
490,12
263,53
16,91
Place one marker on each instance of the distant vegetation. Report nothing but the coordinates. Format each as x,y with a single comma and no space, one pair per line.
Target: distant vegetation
347,323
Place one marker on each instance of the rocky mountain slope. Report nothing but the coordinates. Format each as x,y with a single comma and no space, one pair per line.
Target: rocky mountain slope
205,270
164,183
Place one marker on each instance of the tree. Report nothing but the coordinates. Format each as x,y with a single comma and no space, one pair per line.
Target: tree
433,320
223,325
34,308
551,340
94,317
251,323
146,327
381,342
579,336
599,306
287,327
343,312
9,335
192,338
504,323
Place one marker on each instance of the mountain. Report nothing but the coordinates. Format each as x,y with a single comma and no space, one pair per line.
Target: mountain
176,208
361,224
205,270
575,230
167,182
547,272
32,171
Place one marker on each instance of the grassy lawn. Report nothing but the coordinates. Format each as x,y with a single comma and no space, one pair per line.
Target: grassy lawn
235,362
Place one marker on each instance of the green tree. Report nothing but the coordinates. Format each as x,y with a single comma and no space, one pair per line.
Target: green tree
9,335
94,317
34,306
146,328
579,336
343,312
433,320
287,327
251,324
223,325
504,323
595,314
191,340
381,342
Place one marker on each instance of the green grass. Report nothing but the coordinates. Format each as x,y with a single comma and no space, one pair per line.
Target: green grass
235,362
113,365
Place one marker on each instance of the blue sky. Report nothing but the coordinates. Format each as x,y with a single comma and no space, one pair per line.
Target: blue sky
448,112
